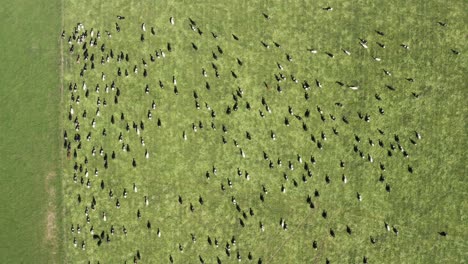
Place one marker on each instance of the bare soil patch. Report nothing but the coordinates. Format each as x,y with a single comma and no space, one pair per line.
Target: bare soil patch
51,239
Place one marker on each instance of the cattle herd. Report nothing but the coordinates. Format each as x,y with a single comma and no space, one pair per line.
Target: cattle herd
101,136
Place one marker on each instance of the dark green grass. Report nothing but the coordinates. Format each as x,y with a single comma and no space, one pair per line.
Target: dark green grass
420,204
29,145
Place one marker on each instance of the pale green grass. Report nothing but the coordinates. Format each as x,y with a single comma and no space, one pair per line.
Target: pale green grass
420,204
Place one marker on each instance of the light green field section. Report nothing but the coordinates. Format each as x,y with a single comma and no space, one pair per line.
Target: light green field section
421,89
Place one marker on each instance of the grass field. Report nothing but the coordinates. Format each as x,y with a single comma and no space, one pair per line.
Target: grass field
30,138
419,205
421,89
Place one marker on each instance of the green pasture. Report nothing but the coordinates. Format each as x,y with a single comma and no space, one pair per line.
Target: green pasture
30,139
419,205
42,201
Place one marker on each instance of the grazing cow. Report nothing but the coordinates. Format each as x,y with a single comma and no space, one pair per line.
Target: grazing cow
363,43
381,178
382,166
319,85
279,66
387,227
344,179
417,135
251,212
242,153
